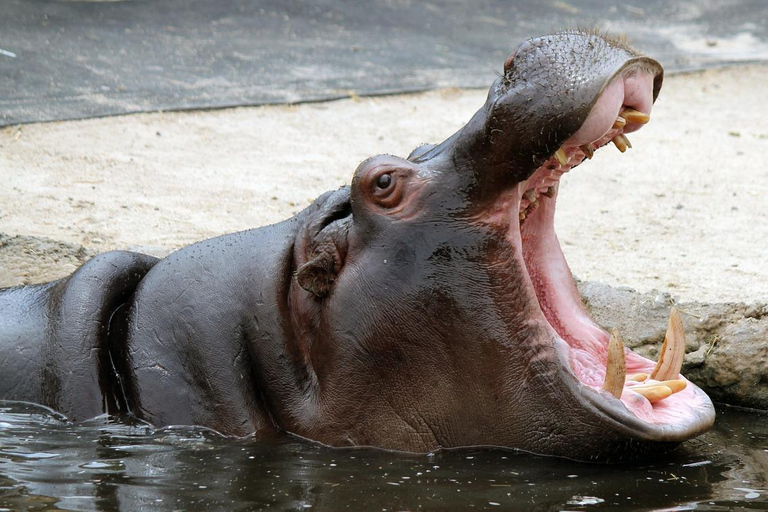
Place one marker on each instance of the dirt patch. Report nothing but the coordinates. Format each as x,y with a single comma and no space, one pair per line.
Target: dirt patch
29,259
684,211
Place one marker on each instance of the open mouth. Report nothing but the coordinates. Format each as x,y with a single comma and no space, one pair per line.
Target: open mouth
648,396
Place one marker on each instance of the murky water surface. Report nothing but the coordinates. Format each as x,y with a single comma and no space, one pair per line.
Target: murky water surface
48,464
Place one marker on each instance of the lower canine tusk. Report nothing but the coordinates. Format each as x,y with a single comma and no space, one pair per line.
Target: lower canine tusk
672,351
615,366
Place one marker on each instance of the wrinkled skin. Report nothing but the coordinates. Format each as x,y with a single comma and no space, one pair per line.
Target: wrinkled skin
413,310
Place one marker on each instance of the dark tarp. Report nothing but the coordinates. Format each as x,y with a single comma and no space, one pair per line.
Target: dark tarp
74,59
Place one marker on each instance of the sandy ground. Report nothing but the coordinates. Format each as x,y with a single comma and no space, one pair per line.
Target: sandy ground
685,211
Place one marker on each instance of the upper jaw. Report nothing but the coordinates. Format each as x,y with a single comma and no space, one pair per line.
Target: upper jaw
529,115
538,105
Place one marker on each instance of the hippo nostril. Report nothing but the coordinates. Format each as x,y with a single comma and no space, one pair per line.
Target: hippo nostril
511,59
508,63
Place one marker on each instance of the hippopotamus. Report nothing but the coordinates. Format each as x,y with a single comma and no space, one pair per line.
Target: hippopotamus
427,305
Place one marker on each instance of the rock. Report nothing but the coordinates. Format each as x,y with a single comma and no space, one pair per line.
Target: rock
736,369
726,344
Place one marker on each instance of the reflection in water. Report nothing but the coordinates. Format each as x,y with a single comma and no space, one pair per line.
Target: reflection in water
46,463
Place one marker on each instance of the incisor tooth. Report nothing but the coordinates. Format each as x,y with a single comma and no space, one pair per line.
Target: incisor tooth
675,385
635,116
672,351
588,151
615,366
637,377
622,142
620,122
655,393
561,156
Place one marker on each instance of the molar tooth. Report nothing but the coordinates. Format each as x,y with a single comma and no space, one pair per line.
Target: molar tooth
530,195
615,366
588,151
622,142
672,350
635,116
521,215
620,122
654,394
637,377
533,200
550,192
561,156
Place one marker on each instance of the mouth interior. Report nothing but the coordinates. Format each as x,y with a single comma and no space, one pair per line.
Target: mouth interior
550,277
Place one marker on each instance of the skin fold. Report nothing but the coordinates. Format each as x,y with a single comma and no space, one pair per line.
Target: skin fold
398,312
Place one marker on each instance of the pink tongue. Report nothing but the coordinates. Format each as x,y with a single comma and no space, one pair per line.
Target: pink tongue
634,90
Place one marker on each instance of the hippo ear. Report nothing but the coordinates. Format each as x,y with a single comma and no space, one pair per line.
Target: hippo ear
325,244
418,154
318,274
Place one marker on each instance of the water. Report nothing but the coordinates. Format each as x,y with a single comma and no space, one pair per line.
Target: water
49,464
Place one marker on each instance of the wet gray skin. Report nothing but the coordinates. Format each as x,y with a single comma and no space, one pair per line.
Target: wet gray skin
426,306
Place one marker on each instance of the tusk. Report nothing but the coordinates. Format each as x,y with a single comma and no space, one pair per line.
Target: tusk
587,150
637,377
615,366
620,122
672,351
635,116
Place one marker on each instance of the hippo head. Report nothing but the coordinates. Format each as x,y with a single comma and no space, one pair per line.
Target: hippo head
432,304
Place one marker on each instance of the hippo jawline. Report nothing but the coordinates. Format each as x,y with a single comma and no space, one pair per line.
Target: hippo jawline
645,399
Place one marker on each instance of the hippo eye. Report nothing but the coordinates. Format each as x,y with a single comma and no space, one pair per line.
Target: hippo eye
388,188
384,181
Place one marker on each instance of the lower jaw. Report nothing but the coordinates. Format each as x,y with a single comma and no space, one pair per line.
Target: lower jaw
585,344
